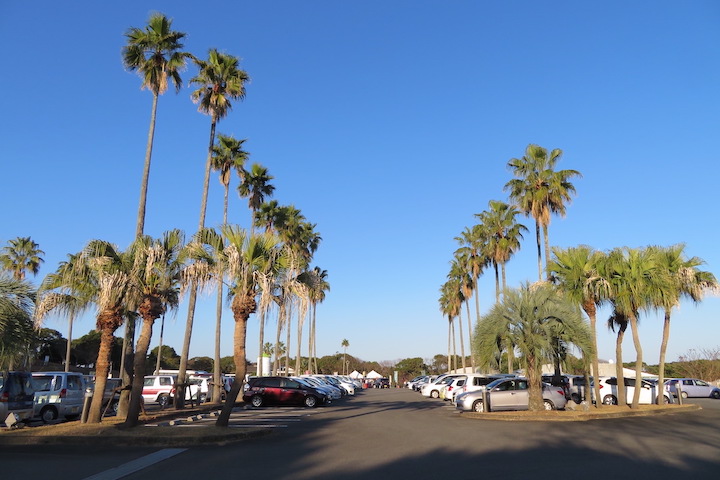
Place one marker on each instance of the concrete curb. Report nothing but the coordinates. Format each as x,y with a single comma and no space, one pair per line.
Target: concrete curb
576,416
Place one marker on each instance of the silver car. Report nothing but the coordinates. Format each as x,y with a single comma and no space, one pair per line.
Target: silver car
58,395
509,394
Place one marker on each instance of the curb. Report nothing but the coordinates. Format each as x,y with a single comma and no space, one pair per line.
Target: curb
562,416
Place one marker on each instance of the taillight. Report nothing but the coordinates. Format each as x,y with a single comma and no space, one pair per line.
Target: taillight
63,393
5,397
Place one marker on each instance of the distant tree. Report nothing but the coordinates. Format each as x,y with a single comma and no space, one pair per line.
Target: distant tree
50,343
439,363
344,344
85,349
20,256
201,363
408,368
169,360
227,364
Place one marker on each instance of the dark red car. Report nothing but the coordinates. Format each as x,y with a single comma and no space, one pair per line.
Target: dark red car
281,391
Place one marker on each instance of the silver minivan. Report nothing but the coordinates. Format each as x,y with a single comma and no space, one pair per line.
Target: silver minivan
58,395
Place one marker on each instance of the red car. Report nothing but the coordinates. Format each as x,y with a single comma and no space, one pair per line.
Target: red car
281,391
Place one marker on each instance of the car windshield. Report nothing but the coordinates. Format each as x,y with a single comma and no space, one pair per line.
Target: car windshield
42,383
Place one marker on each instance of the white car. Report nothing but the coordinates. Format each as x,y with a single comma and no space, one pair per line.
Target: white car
432,389
609,391
453,388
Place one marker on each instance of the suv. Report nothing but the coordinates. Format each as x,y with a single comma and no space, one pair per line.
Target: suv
16,395
161,388
111,395
58,395
282,391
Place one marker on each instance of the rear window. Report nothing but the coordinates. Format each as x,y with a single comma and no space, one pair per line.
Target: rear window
42,383
74,382
271,382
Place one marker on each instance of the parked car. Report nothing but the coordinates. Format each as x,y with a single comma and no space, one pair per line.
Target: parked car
281,391
609,391
510,394
574,385
478,381
692,387
381,383
160,389
432,389
328,390
16,395
449,391
58,395
111,396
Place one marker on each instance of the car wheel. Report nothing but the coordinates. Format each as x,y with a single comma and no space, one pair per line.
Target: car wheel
666,399
684,394
203,397
163,400
548,405
715,394
609,400
310,401
256,401
114,407
48,414
576,398
434,394
479,406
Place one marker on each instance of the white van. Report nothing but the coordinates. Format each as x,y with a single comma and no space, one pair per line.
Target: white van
58,395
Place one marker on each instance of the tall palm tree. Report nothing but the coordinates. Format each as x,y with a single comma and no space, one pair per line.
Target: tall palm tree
451,300
635,277
64,291
460,281
17,300
228,154
532,316
255,186
473,254
157,277
20,256
504,235
539,190
577,273
155,53
246,256
220,82
345,344
316,282
685,280
267,215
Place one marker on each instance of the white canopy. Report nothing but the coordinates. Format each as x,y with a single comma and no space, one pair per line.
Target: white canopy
373,374
355,374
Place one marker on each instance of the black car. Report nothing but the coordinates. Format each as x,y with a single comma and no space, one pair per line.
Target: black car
382,383
261,391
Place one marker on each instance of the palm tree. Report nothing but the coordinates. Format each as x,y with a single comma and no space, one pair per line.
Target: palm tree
504,235
63,291
107,280
220,81
344,344
576,272
685,280
157,276
539,190
532,316
228,155
17,300
255,186
458,282
636,278
245,257
155,54
317,295
20,256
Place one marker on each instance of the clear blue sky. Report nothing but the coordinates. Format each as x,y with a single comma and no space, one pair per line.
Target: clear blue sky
389,125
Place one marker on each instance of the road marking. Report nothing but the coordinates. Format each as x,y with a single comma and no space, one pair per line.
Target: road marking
136,465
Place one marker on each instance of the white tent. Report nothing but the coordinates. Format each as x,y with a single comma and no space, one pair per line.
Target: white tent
355,374
373,374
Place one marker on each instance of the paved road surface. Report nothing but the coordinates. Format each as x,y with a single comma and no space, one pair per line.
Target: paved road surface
397,434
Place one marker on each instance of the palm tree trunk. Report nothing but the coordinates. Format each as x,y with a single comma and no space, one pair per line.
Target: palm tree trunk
663,350
160,345
638,361
239,338
462,340
510,356
217,373
497,282
102,367
537,239
126,366
143,344
470,342
591,312
621,394
449,337
192,300
504,276
287,341
261,354
547,250
535,400
301,322
454,346
71,319
280,323
140,226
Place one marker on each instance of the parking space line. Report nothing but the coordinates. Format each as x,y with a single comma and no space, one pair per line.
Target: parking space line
136,465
